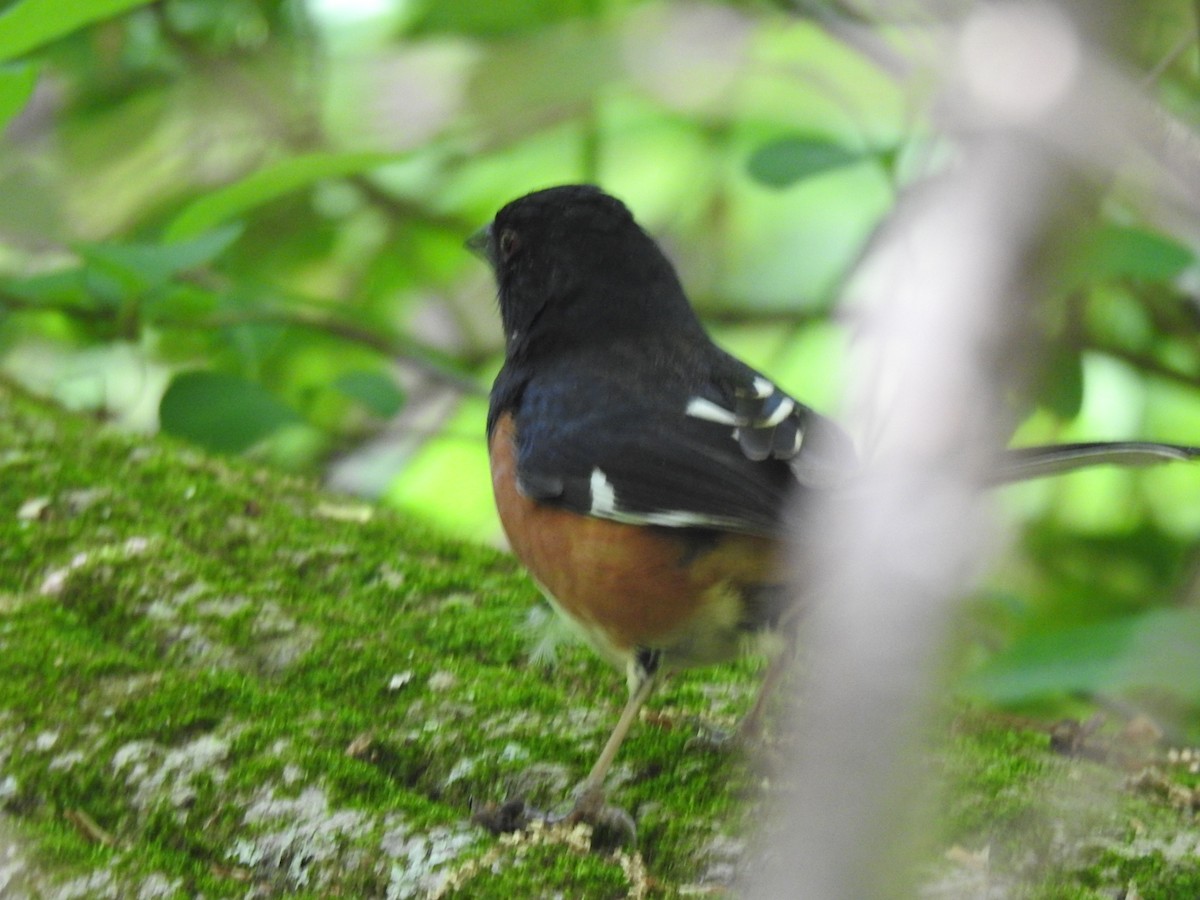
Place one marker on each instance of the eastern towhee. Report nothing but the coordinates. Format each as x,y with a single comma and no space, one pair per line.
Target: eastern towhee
640,472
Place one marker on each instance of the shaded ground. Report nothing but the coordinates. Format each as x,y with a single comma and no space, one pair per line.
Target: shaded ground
219,681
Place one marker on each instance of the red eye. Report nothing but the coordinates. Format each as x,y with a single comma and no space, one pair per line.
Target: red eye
509,244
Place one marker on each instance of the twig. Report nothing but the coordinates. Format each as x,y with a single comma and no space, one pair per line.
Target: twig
854,35
1173,54
399,208
1145,363
944,296
90,828
427,359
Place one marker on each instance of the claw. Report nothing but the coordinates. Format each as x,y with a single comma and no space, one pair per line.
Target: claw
612,826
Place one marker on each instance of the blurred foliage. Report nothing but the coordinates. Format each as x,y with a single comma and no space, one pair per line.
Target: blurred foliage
241,221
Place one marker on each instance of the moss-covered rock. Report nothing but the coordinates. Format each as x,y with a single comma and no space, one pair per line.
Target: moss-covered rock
219,681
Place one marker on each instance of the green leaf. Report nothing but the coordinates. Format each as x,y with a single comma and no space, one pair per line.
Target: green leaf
16,87
28,25
1061,389
140,267
1125,252
180,305
65,287
782,163
266,185
374,390
1156,649
487,18
222,412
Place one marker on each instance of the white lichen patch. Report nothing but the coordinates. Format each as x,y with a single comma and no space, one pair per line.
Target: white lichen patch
14,868
1183,847
421,861
399,680
305,843
278,641
589,720
462,769
194,621
513,753
441,681
223,607
33,508
157,774
517,722
66,761
194,644
98,885
723,854
55,580
167,607
159,887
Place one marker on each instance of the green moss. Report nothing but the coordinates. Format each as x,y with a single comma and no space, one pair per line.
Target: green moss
1061,827
247,685
170,605
1155,877
547,864
991,771
1109,872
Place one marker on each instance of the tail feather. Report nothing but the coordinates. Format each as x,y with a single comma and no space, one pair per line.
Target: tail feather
1026,463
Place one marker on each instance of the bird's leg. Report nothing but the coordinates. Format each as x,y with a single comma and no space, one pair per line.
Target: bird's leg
751,725
643,677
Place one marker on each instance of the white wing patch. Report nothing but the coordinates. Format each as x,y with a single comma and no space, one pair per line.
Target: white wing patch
782,411
761,409
702,408
605,506
604,498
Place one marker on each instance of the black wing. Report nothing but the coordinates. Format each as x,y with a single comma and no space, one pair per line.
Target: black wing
724,451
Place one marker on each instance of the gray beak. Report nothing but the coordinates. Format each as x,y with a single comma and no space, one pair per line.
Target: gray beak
480,242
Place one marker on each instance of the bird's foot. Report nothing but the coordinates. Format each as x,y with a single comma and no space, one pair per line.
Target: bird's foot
711,738
612,827
750,741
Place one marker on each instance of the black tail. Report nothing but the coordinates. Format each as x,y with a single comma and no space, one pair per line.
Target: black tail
1038,462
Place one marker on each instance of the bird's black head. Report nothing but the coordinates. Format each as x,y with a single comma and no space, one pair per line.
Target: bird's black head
573,267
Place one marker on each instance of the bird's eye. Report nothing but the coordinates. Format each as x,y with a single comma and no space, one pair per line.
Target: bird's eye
509,244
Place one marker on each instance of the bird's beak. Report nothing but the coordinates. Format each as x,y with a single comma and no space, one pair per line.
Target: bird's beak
480,242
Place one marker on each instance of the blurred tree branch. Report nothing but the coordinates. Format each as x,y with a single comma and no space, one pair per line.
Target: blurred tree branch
430,361
1145,363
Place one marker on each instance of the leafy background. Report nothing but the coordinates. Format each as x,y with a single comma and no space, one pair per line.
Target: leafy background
241,221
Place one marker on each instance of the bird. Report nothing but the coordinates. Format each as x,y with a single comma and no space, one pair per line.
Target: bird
640,472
